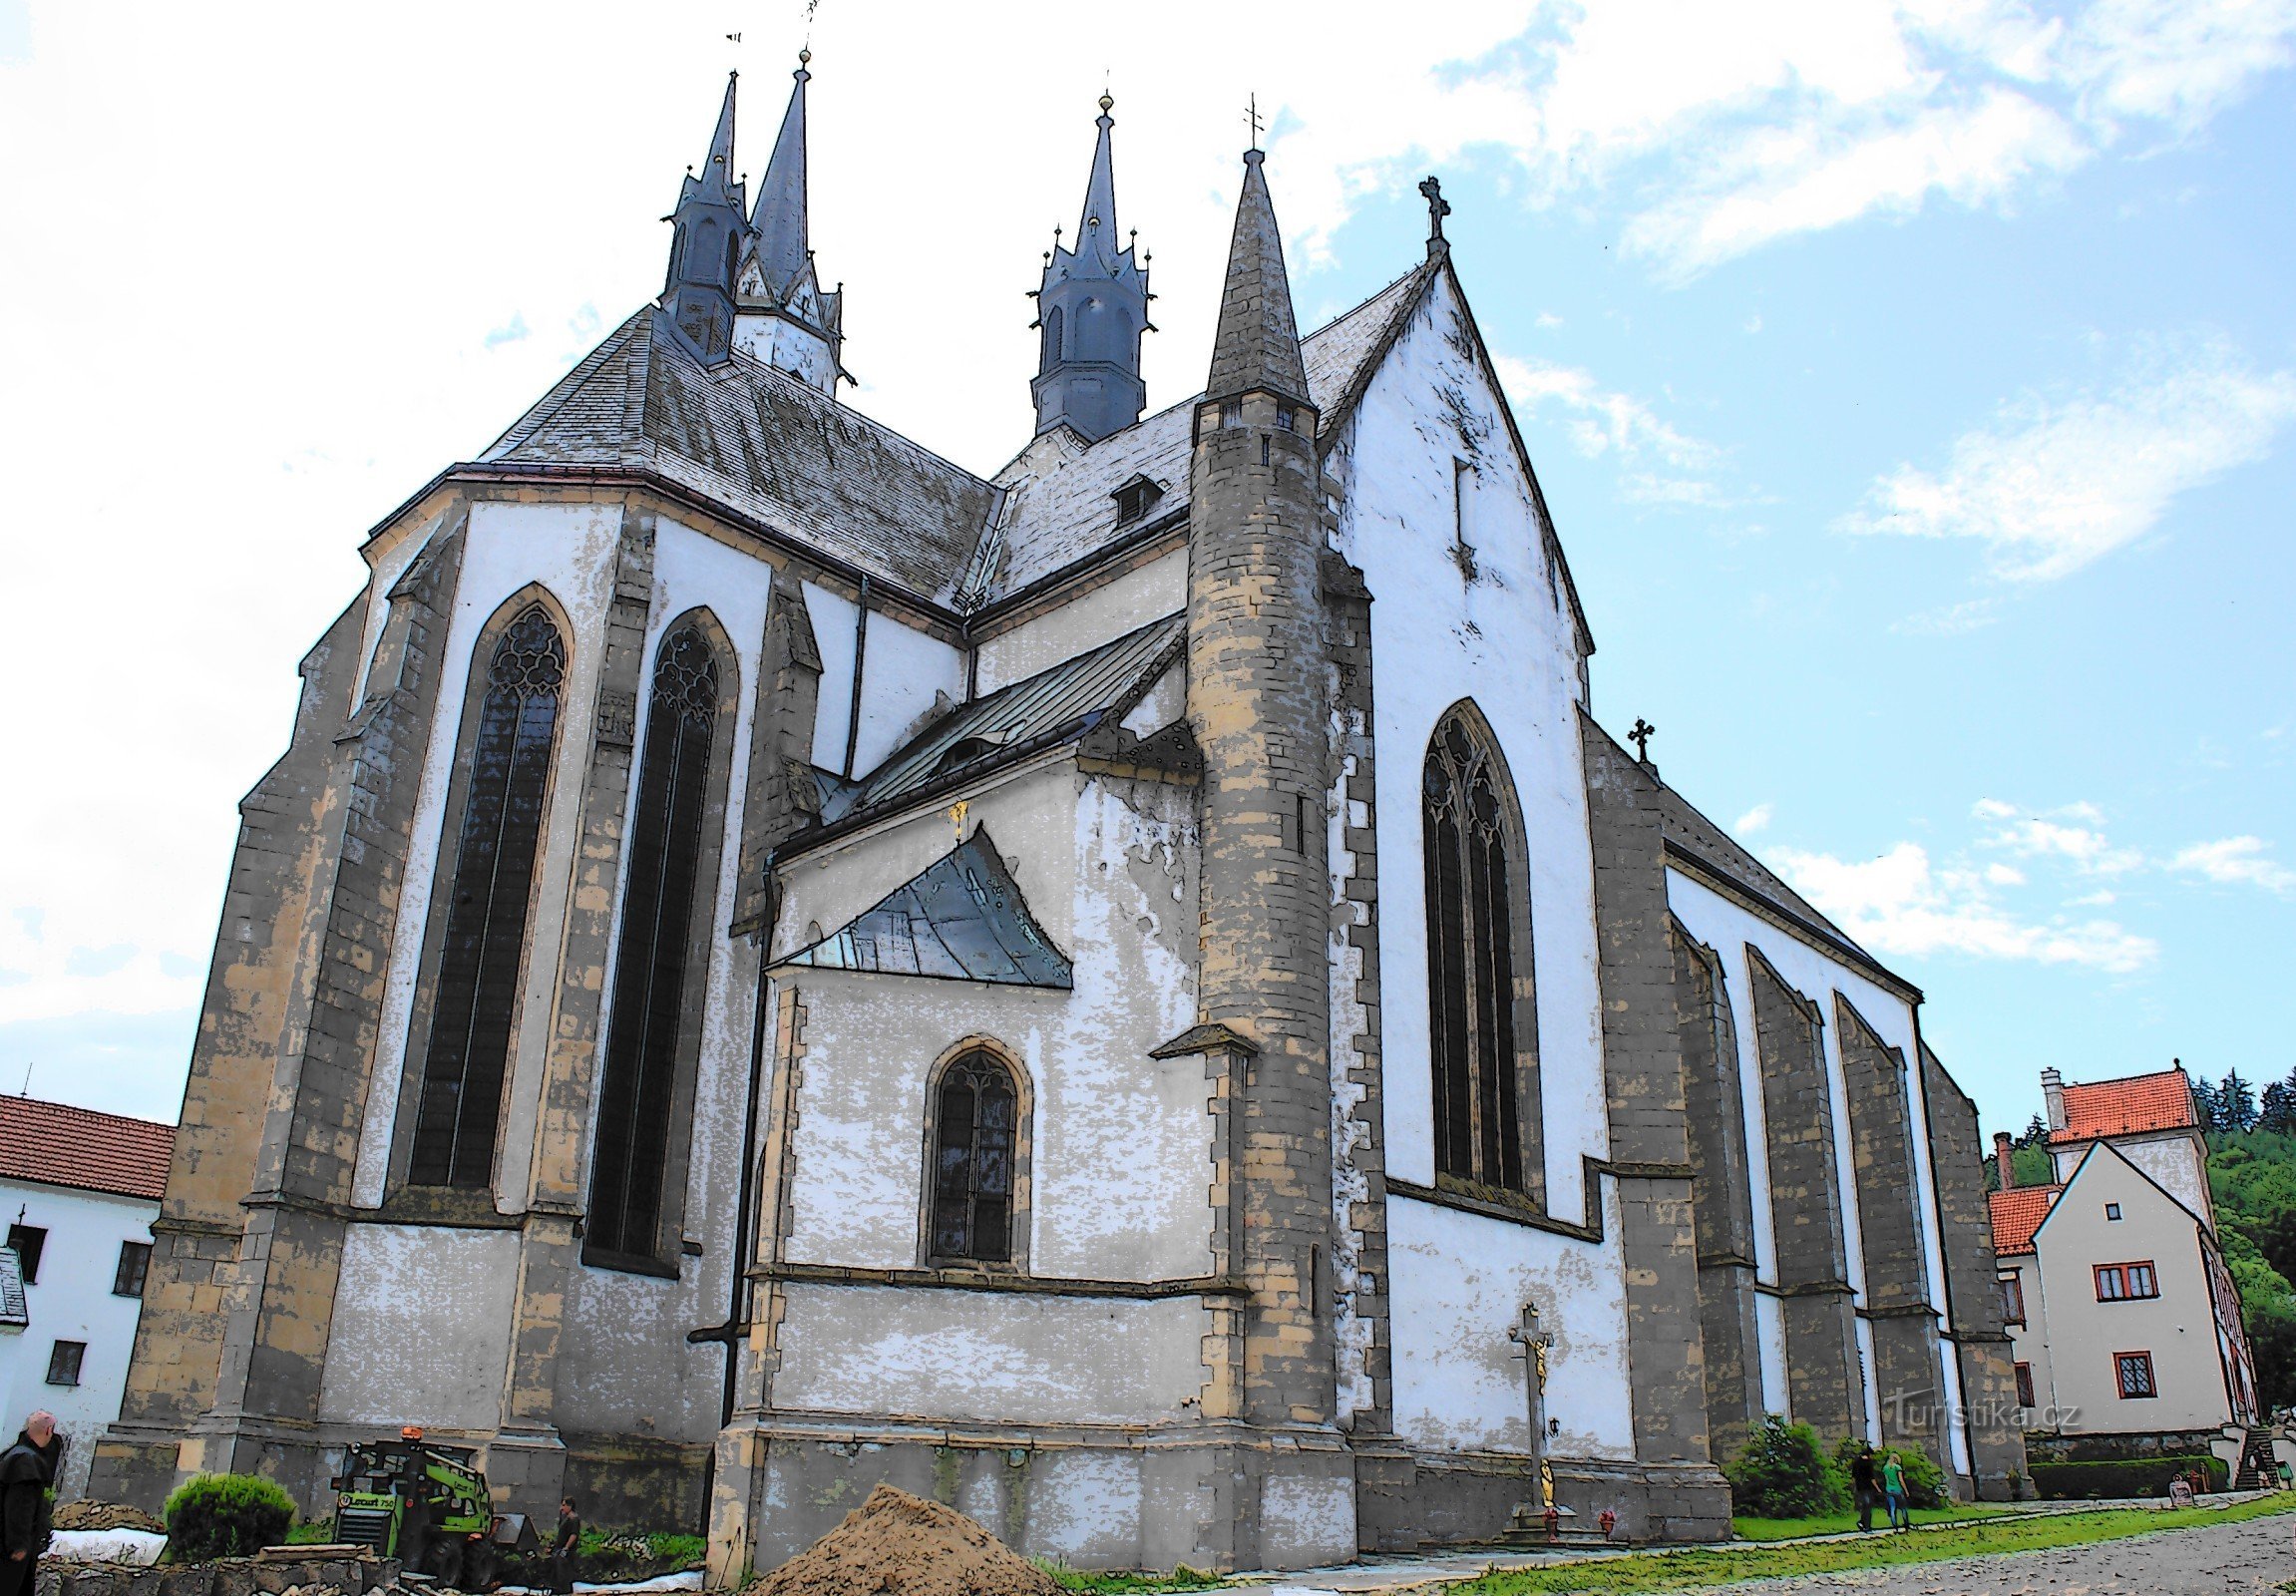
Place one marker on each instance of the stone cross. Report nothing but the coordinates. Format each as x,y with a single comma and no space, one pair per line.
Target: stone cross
1641,738
1437,208
1525,1333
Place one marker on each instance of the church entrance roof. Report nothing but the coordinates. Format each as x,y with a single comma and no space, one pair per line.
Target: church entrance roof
961,919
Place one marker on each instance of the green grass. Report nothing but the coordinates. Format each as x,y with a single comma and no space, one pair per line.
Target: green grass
1842,1523
1691,1571
1181,1578
319,1532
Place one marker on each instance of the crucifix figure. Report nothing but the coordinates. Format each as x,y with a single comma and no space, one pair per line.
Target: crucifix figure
1525,1333
1252,116
1437,208
1641,738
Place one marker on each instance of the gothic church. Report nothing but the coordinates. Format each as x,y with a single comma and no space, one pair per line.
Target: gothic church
1130,995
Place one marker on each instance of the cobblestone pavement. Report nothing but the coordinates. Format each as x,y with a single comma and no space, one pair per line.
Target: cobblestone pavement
2243,1559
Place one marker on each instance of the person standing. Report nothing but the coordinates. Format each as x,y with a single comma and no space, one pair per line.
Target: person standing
563,1548
1893,1490
27,1469
1862,1482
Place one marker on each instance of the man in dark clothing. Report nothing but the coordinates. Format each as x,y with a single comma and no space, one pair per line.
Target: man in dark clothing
1862,1480
562,1549
27,1469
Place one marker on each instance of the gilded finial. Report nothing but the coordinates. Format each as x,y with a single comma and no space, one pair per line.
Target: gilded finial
1107,102
805,57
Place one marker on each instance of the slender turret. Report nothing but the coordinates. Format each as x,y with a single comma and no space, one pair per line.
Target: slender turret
1259,690
786,319
1091,309
705,250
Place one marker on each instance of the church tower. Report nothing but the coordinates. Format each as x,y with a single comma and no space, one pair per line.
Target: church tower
1091,311
785,319
1258,699
706,249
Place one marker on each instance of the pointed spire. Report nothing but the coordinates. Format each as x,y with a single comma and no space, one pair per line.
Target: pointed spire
716,181
705,248
1257,342
1096,226
780,218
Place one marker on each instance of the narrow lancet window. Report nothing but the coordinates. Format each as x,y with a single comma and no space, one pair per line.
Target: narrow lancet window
483,948
976,1123
1471,957
656,958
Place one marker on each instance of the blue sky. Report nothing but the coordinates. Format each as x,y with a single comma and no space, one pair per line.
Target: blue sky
1914,386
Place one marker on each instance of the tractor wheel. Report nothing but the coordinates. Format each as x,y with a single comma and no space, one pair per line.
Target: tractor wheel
478,1565
446,1560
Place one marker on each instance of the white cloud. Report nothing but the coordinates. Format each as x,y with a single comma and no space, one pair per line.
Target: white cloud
1603,423
2236,861
1900,905
1754,819
2053,485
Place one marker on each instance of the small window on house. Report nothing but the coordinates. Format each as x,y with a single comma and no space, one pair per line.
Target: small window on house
1135,499
2133,1370
1287,419
2012,1298
28,1242
2025,1387
135,1264
2126,1281
975,1125
2112,1209
2141,1281
64,1362
1231,412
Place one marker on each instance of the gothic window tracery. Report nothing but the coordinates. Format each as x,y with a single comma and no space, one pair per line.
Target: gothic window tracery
483,948
975,1133
1472,879
656,958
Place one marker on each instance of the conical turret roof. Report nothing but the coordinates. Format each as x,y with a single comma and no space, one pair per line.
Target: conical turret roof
780,221
1258,342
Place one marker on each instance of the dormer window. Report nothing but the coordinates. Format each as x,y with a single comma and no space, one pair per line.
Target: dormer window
1135,499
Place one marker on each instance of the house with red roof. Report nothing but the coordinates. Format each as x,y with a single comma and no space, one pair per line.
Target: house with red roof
2123,1319
80,1190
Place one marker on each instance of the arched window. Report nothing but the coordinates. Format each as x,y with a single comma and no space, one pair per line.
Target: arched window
1051,354
484,946
1476,914
976,1127
653,986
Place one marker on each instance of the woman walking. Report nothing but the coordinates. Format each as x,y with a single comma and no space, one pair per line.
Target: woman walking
1893,1490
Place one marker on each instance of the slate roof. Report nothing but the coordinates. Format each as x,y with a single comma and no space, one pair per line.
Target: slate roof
2017,1214
961,919
56,1144
1075,694
2123,1107
1057,513
766,445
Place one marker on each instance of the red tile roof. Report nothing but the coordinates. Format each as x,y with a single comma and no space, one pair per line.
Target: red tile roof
2017,1214
2119,1107
56,1144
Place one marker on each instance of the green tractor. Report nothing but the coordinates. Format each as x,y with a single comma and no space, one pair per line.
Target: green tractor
426,1505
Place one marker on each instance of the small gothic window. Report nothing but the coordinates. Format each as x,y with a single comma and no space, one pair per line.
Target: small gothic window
483,948
636,1095
1052,319
1469,890
975,1123
1287,419
1231,412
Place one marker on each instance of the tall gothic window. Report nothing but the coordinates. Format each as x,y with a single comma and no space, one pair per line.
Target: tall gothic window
653,966
484,946
975,1124
1471,959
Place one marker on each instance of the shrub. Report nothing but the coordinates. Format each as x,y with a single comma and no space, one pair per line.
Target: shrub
227,1515
2139,1477
1782,1475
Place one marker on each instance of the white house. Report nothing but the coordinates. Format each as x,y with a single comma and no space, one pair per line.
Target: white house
80,1190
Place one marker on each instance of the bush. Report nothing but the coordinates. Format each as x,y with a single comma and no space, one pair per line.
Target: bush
2139,1477
227,1515
1782,1475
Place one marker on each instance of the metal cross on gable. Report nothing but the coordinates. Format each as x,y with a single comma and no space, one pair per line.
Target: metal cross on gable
1641,738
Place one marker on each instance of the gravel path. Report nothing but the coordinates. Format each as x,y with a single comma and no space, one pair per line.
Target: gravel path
2245,1559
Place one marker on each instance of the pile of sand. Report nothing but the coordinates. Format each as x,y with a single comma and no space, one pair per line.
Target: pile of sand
903,1545
88,1514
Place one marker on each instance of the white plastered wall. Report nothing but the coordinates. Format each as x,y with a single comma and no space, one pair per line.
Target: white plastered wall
902,671
1508,640
417,1336
1101,616
1119,1143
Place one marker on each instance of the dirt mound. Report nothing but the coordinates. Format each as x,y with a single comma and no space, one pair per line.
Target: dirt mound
903,1545
88,1514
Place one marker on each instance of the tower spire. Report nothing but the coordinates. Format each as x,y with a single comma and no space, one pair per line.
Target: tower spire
780,218
1256,344
706,247
1091,309
786,318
